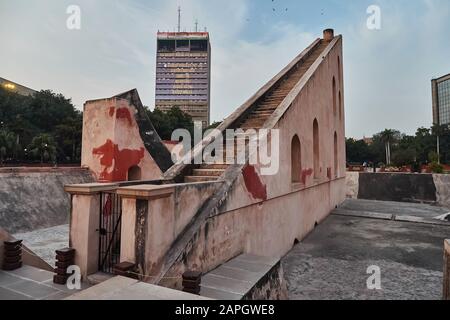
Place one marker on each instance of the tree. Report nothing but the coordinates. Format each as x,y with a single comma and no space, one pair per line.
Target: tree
44,147
7,141
358,151
167,122
42,113
389,136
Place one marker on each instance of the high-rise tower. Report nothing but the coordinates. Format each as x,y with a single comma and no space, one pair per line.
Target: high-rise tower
183,73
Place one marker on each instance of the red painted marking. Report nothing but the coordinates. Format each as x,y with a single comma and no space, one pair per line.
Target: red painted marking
253,183
124,113
305,174
116,162
111,111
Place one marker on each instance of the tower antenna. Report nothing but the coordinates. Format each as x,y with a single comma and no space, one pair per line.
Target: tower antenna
196,25
179,18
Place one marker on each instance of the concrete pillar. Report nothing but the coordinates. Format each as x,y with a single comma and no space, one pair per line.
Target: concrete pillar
147,224
128,231
84,224
446,270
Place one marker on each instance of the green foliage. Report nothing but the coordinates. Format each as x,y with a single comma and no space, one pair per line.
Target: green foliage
27,117
358,151
166,122
405,150
436,167
214,125
7,142
44,147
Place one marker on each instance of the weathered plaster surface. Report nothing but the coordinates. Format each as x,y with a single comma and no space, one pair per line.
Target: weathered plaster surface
352,184
164,220
272,286
428,188
112,143
35,200
442,183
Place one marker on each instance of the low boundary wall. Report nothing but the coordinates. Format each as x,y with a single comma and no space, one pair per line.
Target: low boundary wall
402,187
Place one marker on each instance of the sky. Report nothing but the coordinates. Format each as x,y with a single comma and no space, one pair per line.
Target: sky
387,71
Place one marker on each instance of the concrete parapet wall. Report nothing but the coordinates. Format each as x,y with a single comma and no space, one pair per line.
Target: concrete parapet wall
265,229
35,199
402,187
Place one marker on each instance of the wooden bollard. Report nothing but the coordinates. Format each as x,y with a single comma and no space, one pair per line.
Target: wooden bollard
64,259
192,281
12,255
446,295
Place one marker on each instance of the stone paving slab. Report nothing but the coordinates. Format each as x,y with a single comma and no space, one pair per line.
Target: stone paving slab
260,260
219,294
30,283
422,220
332,262
6,294
363,214
7,279
249,266
146,291
122,288
236,278
237,274
238,287
395,208
32,273
106,287
32,289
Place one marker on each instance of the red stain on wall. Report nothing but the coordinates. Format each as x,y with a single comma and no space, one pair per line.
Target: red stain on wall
305,174
116,162
124,113
111,111
254,184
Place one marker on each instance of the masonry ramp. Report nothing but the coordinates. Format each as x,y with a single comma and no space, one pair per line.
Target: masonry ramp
261,111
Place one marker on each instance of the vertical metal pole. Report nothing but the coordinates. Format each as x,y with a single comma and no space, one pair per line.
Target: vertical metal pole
438,150
179,19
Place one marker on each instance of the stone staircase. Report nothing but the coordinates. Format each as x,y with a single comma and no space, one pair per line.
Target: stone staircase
258,116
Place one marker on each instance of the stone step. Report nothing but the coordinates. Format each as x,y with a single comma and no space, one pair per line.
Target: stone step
216,166
235,279
193,179
208,172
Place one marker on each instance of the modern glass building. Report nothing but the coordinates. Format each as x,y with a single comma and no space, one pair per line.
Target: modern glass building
15,87
183,73
441,100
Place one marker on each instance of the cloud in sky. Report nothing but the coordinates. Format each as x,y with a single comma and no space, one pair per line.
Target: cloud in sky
387,72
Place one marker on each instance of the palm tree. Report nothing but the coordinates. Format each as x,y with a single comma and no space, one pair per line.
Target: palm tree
43,146
437,130
388,136
7,141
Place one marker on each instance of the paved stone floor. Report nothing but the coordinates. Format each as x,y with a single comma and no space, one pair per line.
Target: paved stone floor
332,262
45,242
28,283
120,288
